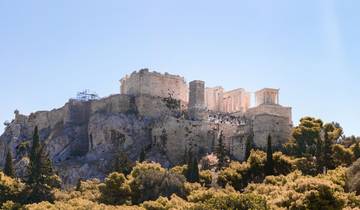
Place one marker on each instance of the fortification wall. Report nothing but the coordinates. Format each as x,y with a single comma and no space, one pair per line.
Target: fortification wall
155,84
276,126
275,110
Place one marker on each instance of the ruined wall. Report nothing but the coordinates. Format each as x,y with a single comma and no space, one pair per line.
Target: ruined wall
155,84
276,126
175,138
276,110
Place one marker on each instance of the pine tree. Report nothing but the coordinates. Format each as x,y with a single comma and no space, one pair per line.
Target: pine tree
192,173
9,168
221,151
357,151
269,158
142,155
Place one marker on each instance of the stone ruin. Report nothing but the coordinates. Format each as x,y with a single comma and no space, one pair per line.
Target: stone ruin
267,117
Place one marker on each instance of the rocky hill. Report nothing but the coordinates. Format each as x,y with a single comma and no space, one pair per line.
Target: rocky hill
83,137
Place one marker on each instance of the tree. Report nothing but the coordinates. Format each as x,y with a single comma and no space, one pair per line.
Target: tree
9,168
306,134
41,177
122,163
330,137
115,190
356,150
319,155
192,173
269,158
142,155
221,151
249,146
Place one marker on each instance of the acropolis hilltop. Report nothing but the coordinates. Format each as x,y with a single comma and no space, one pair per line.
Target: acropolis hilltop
159,113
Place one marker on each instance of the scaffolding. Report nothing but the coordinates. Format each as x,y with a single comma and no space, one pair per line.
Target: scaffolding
86,95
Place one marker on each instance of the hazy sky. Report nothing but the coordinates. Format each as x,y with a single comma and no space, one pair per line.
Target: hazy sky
310,49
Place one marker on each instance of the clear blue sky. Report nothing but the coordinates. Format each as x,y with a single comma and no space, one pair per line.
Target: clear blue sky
310,49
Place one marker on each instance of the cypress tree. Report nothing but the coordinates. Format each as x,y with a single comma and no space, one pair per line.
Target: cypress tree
269,158
327,151
357,151
9,168
142,155
40,173
318,155
221,151
248,146
34,172
192,173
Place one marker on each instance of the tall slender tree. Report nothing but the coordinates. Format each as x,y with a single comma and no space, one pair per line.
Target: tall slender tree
142,155
192,173
249,146
328,161
319,155
9,168
221,151
269,158
41,177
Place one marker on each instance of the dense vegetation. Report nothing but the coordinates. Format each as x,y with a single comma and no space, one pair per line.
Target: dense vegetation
316,169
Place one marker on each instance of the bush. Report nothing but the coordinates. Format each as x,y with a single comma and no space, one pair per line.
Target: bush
10,189
164,203
353,178
226,198
115,190
342,156
296,191
149,181
87,190
205,178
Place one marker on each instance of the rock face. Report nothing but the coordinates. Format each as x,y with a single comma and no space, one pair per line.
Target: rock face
83,137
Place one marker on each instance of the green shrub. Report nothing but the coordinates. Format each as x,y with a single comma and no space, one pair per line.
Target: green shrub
115,190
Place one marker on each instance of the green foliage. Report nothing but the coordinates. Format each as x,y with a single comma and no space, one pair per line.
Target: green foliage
205,178
341,156
353,178
296,191
163,203
269,158
10,189
122,163
249,145
148,181
356,150
172,103
115,190
142,156
226,198
221,151
41,178
192,172
9,168
306,134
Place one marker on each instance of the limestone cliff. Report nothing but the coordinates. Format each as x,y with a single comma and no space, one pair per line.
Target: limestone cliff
82,137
